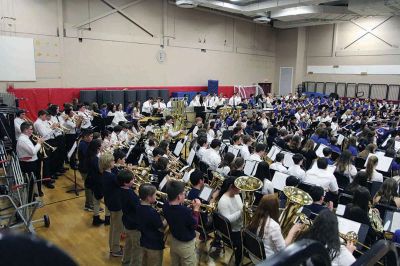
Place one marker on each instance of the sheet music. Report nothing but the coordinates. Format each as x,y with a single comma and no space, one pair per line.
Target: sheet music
385,142
273,152
395,222
233,150
288,159
279,180
179,147
186,176
340,139
249,167
340,209
383,162
205,193
190,158
72,150
346,225
163,182
319,150
129,151
140,159
223,146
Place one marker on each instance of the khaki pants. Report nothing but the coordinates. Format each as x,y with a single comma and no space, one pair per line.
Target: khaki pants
88,193
183,253
116,228
96,205
152,257
133,250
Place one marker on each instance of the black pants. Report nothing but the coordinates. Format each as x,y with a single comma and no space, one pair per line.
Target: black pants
237,245
32,167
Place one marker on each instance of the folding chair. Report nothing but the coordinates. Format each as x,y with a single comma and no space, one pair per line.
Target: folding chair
223,228
342,180
253,245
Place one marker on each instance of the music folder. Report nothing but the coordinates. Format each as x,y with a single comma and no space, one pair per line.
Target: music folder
346,225
384,162
288,159
391,223
273,152
190,158
233,150
179,146
279,180
206,193
319,150
250,167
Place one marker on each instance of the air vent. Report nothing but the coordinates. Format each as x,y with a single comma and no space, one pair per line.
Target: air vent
186,3
262,20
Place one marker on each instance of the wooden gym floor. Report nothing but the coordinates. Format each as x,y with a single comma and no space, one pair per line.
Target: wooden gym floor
71,229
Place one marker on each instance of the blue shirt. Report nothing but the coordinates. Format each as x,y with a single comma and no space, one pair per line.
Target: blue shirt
129,204
181,222
335,148
194,193
353,150
111,191
149,223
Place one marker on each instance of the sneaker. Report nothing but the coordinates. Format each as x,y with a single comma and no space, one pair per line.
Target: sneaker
117,254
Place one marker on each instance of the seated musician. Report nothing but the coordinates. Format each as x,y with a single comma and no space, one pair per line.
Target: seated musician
182,222
224,167
262,172
151,226
202,147
119,115
211,156
296,170
235,100
327,152
322,176
278,164
115,135
172,133
317,194
245,148
387,194
265,224
237,167
230,206
325,229
160,169
149,150
372,174
147,107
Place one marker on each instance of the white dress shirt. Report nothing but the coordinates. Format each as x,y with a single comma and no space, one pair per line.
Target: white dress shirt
268,187
272,239
70,125
43,129
171,131
26,151
57,120
147,107
344,258
297,171
376,176
323,178
224,171
200,153
87,118
114,138
212,158
278,166
231,209
255,157
119,116
195,101
235,100
169,104
17,125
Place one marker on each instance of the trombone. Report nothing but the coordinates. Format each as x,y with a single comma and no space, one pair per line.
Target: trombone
46,145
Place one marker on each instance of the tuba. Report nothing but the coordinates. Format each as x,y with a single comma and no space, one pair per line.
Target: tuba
296,198
217,180
247,185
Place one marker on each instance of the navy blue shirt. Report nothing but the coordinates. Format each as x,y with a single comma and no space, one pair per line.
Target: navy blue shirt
194,193
111,191
82,152
129,203
315,208
149,223
181,222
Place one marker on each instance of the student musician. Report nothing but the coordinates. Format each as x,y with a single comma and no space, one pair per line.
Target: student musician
27,155
113,203
85,115
43,128
71,126
211,157
265,224
235,100
130,203
21,118
169,124
151,226
86,138
278,164
230,206
147,107
182,222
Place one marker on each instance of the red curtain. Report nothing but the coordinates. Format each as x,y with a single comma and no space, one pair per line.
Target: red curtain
35,99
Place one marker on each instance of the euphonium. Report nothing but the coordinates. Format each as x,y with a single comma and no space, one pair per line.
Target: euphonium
296,198
217,180
247,185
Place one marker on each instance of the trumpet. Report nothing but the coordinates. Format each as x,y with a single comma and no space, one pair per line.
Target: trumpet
45,144
58,126
206,207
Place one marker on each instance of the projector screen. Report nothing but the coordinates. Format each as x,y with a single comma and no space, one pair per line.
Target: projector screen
17,59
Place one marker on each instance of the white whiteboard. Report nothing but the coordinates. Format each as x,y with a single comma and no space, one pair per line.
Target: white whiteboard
356,69
17,59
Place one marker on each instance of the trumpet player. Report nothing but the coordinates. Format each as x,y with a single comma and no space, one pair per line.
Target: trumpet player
86,116
182,223
47,132
27,155
60,154
70,126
